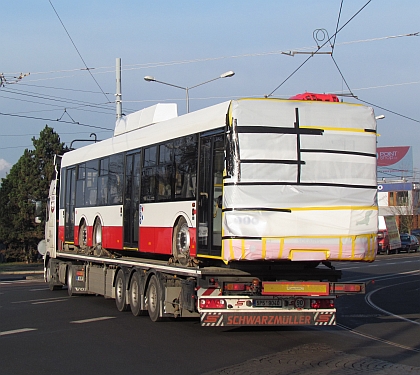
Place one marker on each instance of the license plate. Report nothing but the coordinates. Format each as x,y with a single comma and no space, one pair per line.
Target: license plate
267,303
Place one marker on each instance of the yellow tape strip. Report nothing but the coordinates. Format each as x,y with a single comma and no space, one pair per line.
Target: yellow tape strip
351,130
264,248
232,254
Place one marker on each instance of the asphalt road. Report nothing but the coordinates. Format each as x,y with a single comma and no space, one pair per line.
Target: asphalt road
44,332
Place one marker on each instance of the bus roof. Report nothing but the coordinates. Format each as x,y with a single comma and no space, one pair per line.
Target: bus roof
194,122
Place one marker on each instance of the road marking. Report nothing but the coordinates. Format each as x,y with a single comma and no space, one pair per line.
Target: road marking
4,333
36,290
93,319
370,303
43,300
386,277
9,282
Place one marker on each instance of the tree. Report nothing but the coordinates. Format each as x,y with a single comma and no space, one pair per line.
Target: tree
28,182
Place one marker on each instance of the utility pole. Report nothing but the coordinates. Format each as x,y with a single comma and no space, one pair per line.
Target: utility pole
118,95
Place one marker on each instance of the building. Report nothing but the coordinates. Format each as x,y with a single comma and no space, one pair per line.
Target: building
401,199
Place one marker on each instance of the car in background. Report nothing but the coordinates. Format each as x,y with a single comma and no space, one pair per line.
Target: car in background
409,243
416,232
383,242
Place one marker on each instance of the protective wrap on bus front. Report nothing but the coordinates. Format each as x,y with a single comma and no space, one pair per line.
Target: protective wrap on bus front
300,181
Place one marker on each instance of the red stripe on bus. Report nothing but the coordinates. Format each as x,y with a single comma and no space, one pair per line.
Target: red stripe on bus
152,239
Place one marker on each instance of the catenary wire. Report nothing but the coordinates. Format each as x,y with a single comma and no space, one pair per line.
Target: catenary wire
74,45
318,49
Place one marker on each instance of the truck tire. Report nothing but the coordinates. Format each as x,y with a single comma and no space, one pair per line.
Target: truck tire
135,295
181,242
69,280
50,278
121,291
154,299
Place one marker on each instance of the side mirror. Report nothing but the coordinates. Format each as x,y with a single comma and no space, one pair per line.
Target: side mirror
38,212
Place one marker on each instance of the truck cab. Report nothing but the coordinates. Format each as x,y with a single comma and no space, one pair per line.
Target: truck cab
383,242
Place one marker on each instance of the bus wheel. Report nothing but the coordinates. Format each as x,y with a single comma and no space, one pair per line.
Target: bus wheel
121,291
181,242
135,295
83,235
97,233
153,299
97,237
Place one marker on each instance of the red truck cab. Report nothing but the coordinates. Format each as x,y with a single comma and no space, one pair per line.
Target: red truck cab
383,242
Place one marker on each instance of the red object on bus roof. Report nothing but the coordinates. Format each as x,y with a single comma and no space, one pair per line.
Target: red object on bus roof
318,97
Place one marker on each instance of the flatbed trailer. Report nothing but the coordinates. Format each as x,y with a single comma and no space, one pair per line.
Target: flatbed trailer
225,213
253,294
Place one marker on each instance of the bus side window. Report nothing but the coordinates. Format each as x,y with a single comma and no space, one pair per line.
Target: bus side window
115,179
186,151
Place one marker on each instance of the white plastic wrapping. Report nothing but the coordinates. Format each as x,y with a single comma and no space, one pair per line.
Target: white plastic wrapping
304,185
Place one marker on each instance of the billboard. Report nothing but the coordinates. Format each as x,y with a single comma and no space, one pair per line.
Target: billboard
394,162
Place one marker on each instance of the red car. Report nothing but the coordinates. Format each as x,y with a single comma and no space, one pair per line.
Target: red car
383,242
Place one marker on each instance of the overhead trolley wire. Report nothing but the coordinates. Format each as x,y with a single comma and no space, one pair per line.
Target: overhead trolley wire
318,49
55,120
87,68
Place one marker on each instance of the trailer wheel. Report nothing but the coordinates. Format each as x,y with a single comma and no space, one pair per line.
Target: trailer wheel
121,291
70,280
181,242
153,299
135,295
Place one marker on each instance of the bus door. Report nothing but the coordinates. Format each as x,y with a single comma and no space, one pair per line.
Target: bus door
70,201
209,236
131,200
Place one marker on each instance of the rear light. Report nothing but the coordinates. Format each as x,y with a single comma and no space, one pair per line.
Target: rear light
322,303
234,286
347,288
212,303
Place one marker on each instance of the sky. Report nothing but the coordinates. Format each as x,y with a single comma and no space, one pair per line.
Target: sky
58,58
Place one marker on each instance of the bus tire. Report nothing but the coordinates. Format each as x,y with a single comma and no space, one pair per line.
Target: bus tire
121,291
181,242
83,234
154,299
97,233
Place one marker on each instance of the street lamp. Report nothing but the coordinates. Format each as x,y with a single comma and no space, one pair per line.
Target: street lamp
230,73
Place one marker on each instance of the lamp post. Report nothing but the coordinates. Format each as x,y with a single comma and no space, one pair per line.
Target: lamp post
230,73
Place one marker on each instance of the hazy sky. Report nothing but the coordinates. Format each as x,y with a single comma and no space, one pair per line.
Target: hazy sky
189,42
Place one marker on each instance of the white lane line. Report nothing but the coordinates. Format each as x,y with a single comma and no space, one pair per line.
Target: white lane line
4,333
92,319
370,303
386,277
36,290
43,299
43,302
26,281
